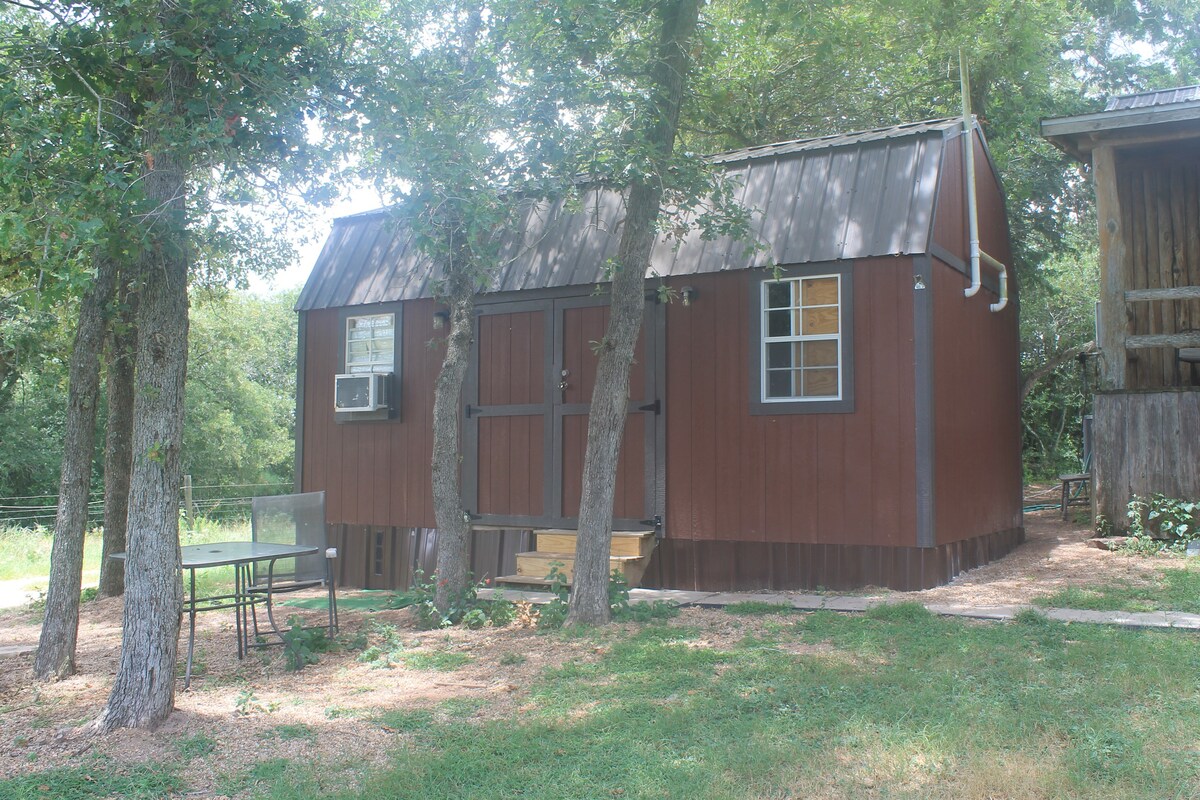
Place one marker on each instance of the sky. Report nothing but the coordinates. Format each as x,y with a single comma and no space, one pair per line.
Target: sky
357,200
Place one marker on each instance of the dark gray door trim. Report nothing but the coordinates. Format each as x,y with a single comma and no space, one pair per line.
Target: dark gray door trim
553,410
923,399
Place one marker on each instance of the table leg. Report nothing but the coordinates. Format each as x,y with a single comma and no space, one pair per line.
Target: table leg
270,610
187,675
239,609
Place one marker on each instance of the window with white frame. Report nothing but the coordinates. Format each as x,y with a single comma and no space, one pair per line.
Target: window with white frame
371,343
801,347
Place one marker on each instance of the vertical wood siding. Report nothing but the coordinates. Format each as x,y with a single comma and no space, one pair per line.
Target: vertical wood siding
1146,442
844,479
378,472
1159,196
977,427
976,410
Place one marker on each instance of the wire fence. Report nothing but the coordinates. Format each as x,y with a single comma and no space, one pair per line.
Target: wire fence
212,501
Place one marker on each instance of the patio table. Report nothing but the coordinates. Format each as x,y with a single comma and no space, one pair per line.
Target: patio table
241,556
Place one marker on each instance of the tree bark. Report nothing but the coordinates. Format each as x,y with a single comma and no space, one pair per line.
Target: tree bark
143,692
55,657
610,399
453,525
118,451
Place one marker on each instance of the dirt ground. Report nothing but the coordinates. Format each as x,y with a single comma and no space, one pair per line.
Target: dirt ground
241,705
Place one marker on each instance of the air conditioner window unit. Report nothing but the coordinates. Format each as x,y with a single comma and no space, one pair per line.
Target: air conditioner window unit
366,391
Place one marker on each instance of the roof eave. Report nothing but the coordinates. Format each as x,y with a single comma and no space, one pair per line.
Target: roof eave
1075,135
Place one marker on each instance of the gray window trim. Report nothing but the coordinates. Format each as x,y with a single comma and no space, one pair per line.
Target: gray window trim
844,405
397,384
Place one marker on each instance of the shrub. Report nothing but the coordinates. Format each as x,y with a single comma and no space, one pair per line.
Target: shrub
1162,523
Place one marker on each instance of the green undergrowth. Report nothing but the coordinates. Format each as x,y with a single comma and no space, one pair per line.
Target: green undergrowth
1173,590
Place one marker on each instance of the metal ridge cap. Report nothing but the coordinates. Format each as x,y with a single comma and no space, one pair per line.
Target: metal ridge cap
835,140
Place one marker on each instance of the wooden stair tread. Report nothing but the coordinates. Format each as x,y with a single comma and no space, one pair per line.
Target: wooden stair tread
525,580
567,556
616,534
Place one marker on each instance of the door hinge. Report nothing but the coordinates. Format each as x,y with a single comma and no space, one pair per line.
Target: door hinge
656,407
468,410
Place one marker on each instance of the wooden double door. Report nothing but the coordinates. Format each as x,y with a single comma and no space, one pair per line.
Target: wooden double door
527,395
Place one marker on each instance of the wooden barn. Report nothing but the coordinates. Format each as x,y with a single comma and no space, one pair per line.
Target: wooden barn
1144,153
849,419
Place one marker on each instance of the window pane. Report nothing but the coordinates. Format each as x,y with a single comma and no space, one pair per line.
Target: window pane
779,354
821,292
370,342
820,383
779,323
820,320
821,354
779,383
779,295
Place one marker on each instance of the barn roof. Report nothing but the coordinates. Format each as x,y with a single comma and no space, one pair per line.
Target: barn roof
1163,112
870,193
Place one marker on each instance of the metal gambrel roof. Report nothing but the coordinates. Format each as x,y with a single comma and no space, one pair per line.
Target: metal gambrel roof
848,196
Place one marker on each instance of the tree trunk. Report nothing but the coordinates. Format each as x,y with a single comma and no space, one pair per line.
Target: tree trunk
453,526
60,624
118,452
610,398
143,692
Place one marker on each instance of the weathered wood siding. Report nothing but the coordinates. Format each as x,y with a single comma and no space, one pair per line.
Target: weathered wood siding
373,473
844,479
1158,192
1146,443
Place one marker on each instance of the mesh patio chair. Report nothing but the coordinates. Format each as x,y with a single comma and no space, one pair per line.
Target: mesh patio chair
293,519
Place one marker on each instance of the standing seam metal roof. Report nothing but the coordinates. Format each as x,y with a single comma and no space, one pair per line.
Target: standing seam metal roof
848,196
1162,97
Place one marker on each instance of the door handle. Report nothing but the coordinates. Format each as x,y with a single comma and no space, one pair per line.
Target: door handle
562,386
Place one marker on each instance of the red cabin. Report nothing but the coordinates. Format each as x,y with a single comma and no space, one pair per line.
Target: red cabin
850,418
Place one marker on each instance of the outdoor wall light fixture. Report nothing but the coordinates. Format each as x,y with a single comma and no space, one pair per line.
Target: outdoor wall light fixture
688,294
441,319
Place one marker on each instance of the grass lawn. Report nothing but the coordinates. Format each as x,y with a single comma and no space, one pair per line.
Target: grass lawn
25,554
896,703
1174,589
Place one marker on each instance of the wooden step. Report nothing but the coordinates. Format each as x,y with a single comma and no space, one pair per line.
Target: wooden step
537,564
624,543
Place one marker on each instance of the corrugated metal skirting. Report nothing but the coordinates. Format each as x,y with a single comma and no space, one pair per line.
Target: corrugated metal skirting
378,557
720,566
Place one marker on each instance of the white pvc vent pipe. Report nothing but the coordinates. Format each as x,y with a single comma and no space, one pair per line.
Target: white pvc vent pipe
977,254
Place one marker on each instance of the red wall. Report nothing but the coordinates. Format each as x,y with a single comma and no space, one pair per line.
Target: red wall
374,473
977,426
834,478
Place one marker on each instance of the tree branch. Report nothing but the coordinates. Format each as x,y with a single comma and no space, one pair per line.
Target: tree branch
1033,376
